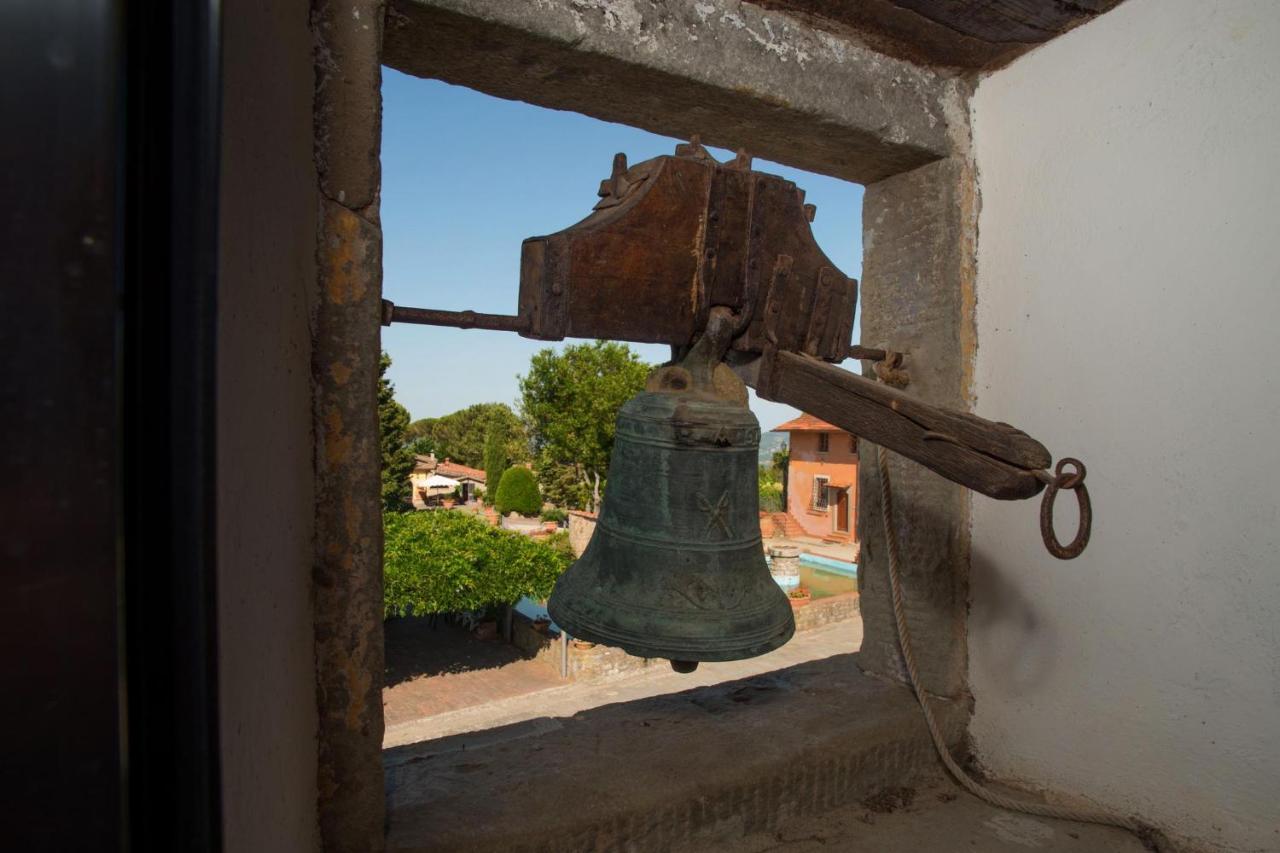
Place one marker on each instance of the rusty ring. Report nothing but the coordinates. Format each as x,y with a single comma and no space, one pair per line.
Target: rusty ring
1075,482
1072,480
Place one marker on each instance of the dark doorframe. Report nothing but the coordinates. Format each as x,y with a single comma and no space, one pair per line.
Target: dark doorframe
106,443
841,518
170,237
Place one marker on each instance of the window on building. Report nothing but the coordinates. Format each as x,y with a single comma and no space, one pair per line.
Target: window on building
824,442
819,498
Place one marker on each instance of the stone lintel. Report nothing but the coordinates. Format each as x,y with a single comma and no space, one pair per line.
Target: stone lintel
738,75
348,100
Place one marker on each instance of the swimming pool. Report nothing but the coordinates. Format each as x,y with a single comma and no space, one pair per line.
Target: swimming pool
825,577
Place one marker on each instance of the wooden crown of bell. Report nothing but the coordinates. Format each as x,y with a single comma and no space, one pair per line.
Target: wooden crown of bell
676,568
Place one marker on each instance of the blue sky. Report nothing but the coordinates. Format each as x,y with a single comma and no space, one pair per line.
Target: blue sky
465,179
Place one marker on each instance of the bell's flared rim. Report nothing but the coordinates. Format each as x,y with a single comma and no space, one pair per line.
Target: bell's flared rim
774,633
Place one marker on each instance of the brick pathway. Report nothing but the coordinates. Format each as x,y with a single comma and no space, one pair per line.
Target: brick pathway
431,671
492,694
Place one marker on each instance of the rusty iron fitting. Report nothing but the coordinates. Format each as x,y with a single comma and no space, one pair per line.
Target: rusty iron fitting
1073,481
890,371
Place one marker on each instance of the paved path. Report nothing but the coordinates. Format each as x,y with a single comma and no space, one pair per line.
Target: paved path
433,670
526,690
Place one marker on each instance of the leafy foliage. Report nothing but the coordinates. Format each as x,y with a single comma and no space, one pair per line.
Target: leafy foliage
781,459
420,446
773,482
554,514
397,460
495,455
770,488
570,402
562,485
770,496
518,492
453,562
460,436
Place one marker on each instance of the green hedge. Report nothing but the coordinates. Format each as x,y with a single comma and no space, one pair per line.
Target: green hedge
451,562
518,492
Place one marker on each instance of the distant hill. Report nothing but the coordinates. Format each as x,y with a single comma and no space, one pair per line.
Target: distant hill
769,442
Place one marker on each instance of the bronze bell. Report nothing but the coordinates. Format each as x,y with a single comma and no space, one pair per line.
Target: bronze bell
675,568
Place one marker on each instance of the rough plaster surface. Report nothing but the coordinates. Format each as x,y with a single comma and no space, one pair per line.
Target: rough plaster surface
732,72
267,209
346,332
917,274
1127,303
675,772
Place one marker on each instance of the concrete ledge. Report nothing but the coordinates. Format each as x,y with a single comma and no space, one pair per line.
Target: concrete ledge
735,73
673,772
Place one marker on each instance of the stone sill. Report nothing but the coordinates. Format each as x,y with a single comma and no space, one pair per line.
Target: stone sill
670,772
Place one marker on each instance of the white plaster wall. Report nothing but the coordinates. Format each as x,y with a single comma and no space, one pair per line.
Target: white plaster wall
1129,314
266,659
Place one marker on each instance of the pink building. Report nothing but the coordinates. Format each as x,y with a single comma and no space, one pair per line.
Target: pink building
822,480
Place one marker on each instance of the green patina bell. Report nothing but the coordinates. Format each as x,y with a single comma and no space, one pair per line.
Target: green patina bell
675,568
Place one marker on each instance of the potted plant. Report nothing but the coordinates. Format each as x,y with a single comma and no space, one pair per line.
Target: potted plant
799,597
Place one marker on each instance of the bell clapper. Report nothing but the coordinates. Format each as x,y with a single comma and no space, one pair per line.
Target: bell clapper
684,666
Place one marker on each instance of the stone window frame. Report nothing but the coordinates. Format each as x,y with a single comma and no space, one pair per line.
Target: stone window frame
839,108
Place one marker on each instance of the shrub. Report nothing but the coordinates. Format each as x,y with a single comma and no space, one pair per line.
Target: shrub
771,497
452,562
554,514
518,492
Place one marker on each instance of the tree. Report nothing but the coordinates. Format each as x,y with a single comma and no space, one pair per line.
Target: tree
518,492
460,435
495,457
397,460
561,484
781,467
570,402
452,562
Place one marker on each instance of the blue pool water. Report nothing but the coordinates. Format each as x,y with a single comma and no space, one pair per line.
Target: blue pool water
824,576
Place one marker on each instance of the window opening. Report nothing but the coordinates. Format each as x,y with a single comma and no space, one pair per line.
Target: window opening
821,499
447,245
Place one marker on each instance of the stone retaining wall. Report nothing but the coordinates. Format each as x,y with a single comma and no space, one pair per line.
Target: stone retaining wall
581,526
824,611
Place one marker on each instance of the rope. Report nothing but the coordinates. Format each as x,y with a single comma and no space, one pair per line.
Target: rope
1145,833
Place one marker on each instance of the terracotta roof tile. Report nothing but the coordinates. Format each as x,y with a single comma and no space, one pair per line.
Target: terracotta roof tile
807,423
454,470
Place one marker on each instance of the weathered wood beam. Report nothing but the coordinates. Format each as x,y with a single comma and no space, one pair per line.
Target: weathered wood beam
992,458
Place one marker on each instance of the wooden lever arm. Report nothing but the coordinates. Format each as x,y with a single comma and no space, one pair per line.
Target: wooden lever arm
992,458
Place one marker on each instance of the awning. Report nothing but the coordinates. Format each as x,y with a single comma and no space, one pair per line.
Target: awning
436,481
